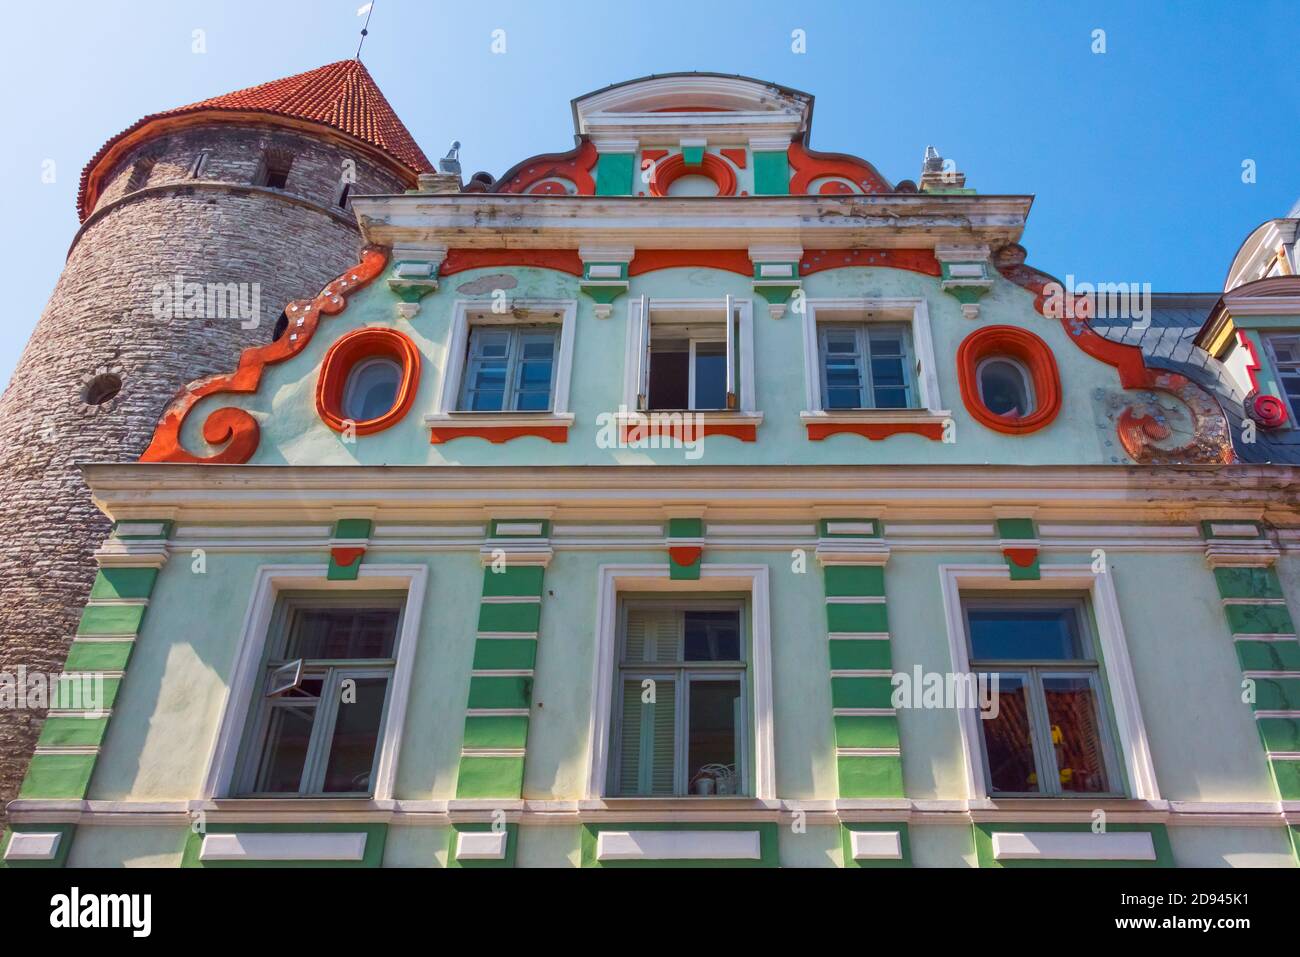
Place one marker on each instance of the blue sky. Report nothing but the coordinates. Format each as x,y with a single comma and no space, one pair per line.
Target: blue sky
1135,155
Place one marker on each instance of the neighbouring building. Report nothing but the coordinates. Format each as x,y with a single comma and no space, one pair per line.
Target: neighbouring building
693,496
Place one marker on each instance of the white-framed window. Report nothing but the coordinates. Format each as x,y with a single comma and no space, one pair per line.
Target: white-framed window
1006,387
508,366
318,713
869,358
690,355
510,369
371,388
738,594
680,721
1049,734
866,365
1070,617
319,673
1285,353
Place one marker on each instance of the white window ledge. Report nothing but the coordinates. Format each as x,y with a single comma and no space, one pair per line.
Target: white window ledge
1073,846
884,416
500,419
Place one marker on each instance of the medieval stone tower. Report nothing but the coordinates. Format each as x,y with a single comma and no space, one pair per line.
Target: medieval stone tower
250,189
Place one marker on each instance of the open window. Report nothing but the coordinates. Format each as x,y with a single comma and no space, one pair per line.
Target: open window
691,355
320,705
680,722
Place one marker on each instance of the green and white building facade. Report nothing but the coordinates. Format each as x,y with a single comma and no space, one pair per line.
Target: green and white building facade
690,498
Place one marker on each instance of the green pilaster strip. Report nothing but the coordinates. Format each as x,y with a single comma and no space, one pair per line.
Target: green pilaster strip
614,174
1277,694
111,620
1280,734
861,692
768,849
496,731
373,856
58,776
498,654
685,528
500,691
1268,655
98,655
490,777
1287,775
1259,619
866,731
983,833
771,173
512,846
1247,582
857,617
870,776
1017,528
85,692
60,858
846,844
860,654
72,732
116,583
353,529
510,616
484,774
854,581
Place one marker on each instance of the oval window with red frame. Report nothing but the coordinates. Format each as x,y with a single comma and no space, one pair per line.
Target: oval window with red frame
368,381
1009,381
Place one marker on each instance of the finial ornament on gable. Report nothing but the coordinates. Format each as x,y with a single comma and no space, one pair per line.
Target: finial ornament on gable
451,162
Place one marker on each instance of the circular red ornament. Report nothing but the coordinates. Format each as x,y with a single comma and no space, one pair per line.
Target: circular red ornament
674,167
1033,353
343,356
1267,410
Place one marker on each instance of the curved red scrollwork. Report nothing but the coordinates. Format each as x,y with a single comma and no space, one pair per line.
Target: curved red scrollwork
575,166
810,165
1138,432
666,172
235,428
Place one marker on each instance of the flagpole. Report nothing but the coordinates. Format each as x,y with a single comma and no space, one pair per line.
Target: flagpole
368,9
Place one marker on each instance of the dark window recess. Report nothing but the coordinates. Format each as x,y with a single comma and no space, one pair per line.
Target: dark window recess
140,173
344,193
275,169
200,163
281,325
103,388
670,375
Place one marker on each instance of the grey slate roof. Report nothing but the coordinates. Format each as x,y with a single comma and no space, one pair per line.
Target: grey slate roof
1167,344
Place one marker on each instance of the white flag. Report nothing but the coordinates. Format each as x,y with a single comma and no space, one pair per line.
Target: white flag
363,10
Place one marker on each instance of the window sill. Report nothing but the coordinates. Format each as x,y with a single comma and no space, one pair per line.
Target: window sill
682,424
498,427
875,424
685,805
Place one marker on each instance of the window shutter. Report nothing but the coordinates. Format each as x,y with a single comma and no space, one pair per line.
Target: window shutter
643,355
652,636
731,355
648,741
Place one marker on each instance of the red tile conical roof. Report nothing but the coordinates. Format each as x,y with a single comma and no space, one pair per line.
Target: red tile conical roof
342,96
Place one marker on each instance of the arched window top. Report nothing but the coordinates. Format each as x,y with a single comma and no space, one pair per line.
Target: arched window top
371,388
1006,387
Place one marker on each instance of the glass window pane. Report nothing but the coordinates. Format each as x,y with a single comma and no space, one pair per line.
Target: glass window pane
712,635
288,735
710,375
712,761
890,398
356,732
1004,388
887,371
844,399
1076,737
1028,633
342,633
371,389
840,341
1007,738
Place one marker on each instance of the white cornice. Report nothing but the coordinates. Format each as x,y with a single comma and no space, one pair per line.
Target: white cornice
493,221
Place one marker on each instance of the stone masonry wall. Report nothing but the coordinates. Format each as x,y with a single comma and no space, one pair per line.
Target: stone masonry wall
213,228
